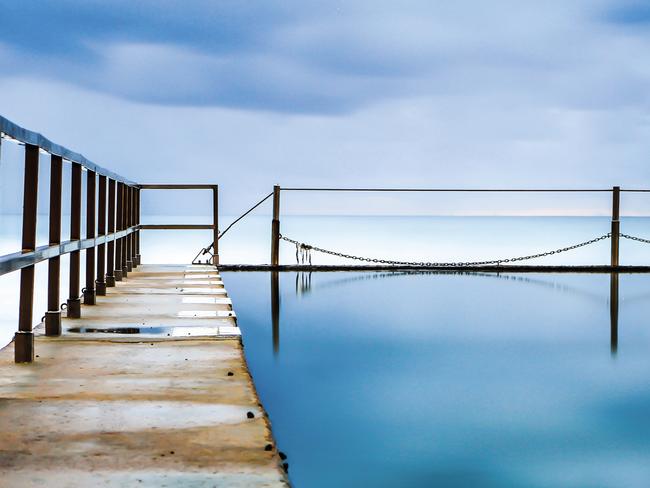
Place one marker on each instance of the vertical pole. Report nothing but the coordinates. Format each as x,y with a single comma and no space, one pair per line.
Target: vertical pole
74,303
215,224
134,259
138,257
275,228
100,284
110,258
275,310
89,289
24,338
53,314
129,238
613,313
118,227
125,225
616,224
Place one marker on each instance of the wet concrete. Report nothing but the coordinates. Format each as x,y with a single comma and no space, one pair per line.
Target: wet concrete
122,410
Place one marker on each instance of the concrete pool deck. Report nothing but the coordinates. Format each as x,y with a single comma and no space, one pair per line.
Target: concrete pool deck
122,410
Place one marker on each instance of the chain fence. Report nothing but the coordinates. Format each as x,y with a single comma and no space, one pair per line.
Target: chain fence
635,238
303,255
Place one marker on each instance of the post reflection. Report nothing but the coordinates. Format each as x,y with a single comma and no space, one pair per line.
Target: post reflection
304,287
275,310
613,313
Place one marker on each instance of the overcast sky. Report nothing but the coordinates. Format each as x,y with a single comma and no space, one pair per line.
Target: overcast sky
348,93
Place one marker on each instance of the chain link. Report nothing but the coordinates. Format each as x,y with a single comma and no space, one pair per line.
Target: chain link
634,238
307,248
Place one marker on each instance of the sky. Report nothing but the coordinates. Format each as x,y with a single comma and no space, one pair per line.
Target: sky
248,94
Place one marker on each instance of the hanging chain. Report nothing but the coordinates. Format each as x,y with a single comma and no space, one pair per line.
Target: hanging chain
301,247
634,238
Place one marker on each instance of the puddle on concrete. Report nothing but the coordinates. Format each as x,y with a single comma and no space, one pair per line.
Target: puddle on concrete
149,331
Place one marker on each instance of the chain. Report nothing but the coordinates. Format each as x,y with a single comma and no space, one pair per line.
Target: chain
302,246
634,238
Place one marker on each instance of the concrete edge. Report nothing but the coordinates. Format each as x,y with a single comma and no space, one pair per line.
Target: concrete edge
267,420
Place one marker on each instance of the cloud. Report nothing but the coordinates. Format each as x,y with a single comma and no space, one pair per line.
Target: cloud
334,57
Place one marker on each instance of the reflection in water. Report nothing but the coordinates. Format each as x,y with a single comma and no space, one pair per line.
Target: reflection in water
392,274
613,312
303,283
275,310
304,287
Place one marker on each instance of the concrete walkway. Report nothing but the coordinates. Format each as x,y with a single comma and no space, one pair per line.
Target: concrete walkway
156,407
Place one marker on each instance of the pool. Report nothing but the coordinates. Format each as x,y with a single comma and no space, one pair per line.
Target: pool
452,380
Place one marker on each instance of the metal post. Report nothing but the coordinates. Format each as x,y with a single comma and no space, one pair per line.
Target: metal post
215,223
100,284
138,257
89,289
118,227
275,228
134,259
616,224
53,314
110,258
131,259
24,338
126,251
74,303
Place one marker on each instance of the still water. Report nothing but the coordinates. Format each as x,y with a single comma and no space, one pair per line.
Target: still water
475,380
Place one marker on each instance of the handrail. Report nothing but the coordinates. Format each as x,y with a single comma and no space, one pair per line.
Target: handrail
615,192
112,247
14,131
19,260
177,186
467,190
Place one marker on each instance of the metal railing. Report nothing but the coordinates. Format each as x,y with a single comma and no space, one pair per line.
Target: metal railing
111,243
303,250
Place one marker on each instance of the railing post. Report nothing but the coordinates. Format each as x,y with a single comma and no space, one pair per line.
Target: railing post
128,220
134,259
275,228
616,224
138,257
118,227
89,289
53,314
124,240
74,303
215,223
110,258
100,284
24,338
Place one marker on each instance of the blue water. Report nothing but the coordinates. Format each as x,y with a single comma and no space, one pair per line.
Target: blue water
380,379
